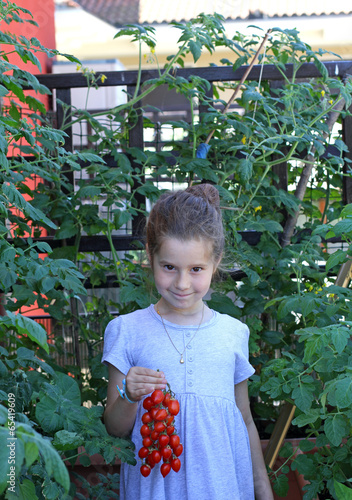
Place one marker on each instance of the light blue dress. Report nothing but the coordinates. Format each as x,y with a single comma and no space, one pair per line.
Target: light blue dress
216,462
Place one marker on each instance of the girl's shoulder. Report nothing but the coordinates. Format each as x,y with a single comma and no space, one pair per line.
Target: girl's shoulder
224,321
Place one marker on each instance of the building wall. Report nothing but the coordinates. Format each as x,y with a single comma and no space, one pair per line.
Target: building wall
43,12
87,37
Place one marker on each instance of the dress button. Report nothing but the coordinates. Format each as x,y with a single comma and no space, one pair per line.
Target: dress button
189,346
190,371
190,358
190,383
188,334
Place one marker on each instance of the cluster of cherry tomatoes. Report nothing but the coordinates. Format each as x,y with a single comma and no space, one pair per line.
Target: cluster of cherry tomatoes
161,443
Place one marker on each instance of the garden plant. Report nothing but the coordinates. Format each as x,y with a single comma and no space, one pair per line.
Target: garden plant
300,320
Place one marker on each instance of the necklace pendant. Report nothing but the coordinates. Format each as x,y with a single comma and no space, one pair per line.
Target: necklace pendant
181,359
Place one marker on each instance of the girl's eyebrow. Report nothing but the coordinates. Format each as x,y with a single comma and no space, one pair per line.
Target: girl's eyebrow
170,263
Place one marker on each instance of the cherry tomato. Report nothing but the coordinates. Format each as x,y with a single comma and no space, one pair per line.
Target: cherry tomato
170,430
176,464
174,406
164,440
150,461
161,415
147,442
165,469
147,403
166,452
157,397
156,456
154,435
146,418
169,419
145,431
145,470
178,450
143,452
174,441
159,427
166,399
153,412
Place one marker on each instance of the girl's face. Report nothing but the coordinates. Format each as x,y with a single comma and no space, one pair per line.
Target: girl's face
183,271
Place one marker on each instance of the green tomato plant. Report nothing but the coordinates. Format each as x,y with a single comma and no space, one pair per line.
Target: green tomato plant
299,318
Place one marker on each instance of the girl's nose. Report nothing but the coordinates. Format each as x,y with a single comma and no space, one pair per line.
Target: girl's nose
182,281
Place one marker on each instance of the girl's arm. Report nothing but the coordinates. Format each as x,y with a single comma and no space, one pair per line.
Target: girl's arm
120,414
262,487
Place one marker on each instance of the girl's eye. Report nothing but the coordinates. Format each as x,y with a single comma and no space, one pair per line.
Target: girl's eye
169,267
197,269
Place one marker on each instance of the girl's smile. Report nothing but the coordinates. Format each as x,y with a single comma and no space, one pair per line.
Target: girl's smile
183,271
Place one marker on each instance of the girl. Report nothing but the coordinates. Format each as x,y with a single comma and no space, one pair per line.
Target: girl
202,354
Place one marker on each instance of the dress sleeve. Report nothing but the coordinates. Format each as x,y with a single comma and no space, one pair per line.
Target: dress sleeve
243,368
117,346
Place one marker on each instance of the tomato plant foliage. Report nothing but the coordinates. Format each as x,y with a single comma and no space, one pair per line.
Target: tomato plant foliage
299,316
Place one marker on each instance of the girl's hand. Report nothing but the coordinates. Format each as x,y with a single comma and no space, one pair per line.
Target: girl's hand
142,381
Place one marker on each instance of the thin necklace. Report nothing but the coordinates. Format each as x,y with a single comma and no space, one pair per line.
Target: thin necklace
185,346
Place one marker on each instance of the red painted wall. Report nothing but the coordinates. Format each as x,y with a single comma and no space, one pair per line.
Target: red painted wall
43,12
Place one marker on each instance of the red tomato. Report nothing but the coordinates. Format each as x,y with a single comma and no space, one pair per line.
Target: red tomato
147,442
143,452
166,399
161,415
145,431
165,469
154,435
164,440
159,427
145,470
174,441
178,450
153,412
157,397
170,430
169,419
174,406
166,452
146,418
150,461
156,456
176,464
147,403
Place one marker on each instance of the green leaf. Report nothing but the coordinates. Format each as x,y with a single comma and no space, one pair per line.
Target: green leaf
224,305
245,169
280,485
336,258
84,460
27,326
335,429
342,491
65,440
24,491
303,396
53,464
196,49
343,392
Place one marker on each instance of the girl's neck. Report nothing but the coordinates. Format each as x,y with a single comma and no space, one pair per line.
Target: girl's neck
183,317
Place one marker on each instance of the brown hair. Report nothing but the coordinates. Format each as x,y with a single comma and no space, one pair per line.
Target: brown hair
185,215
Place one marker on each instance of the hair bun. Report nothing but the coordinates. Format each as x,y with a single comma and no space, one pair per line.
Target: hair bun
207,192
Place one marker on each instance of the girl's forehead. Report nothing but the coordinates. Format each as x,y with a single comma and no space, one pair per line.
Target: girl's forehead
177,249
